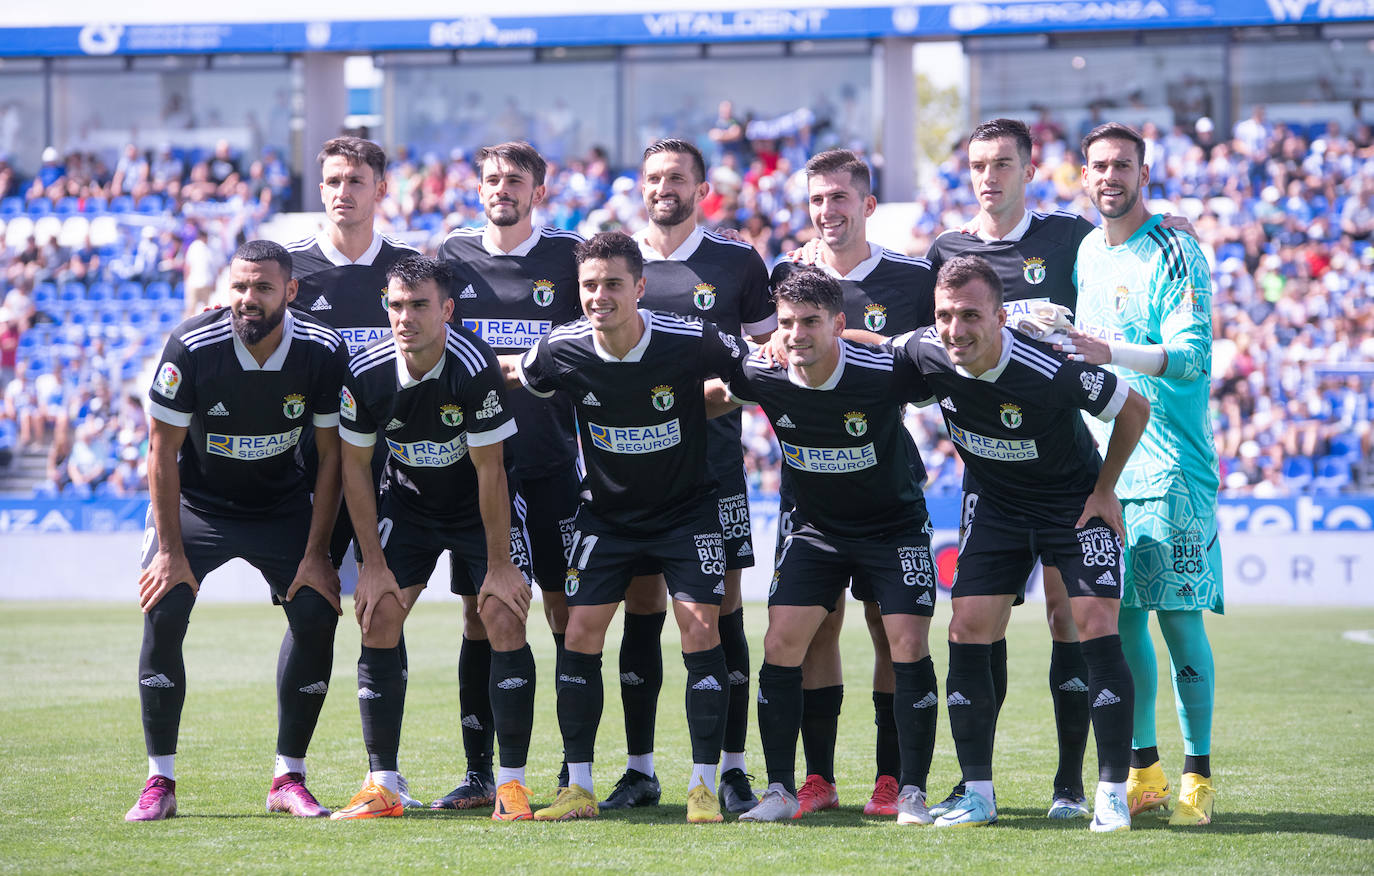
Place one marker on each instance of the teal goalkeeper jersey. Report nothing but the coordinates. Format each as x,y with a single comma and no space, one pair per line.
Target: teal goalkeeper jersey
1156,289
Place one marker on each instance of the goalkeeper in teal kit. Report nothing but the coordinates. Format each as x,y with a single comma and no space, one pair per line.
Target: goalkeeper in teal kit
1145,308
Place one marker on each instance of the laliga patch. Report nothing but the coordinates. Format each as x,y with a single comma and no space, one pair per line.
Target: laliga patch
168,380
348,407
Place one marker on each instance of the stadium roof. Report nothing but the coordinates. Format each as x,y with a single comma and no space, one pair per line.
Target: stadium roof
86,27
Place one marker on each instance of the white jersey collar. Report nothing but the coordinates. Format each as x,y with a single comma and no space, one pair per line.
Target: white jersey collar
339,259
861,270
1015,234
278,357
637,351
523,249
991,375
403,373
681,254
794,376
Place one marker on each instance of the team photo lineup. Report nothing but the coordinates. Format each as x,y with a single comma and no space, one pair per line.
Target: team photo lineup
564,413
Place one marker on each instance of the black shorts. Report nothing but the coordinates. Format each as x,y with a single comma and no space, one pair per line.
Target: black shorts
691,558
412,548
735,524
550,509
272,545
896,570
997,555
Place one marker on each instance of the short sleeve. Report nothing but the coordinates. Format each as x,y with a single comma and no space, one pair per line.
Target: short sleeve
172,394
357,425
483,396
908,383
328,388
721,352
537,370
758,315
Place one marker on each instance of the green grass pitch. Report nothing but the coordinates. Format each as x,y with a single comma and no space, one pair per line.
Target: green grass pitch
1292,757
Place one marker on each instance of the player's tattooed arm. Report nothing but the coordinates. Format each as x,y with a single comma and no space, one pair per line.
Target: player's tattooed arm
1127,428
503,582
315,570
375,580
169,566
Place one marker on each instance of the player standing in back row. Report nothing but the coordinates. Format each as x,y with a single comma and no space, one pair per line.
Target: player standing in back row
1145,302
517,282
695,273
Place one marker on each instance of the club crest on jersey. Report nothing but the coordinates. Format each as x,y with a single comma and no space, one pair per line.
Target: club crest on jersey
168,380
571,583
543,292
875,317
450,415
348,406
1034,271
856,423
293,406
1122,296
1011,416
384,302
663,397
704,296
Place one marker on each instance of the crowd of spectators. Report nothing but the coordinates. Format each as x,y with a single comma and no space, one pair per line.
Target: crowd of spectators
1284,212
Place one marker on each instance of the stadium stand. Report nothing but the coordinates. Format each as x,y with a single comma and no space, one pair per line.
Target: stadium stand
1285,211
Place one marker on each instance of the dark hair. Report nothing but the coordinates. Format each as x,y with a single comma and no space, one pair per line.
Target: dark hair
1115,131
681,147
265,251
842,161
611,245
959,271
517,153
357,151
414,270
996,129
810,285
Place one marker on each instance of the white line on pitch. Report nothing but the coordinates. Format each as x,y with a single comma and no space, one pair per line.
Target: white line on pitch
1364,637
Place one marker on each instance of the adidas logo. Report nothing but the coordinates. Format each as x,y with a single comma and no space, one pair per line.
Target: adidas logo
394,425
367,693
405,675
158,680
468,292
929,701
785,423
1186,589
708,683
925,598
957,699
590,400
1106,698
219,410
632,679
720,589
320,688
763,700
1074,685
1106,579
738,678
321,303
1188,675
572,679
948,404
471,722
512,683
745,550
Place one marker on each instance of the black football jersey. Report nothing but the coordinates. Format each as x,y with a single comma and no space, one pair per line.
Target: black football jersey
1035,261
350,296
725,281
244,420
848,464
511,300
1017,426
428,424
642,418
887,293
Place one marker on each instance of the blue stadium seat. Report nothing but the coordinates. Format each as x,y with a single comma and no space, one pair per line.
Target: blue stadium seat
95,204
129,291
1298,472
151,205
1346,446
1333,474
157,291
11,206
100,292
44,293
72,292
68,206
40,207
122,204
